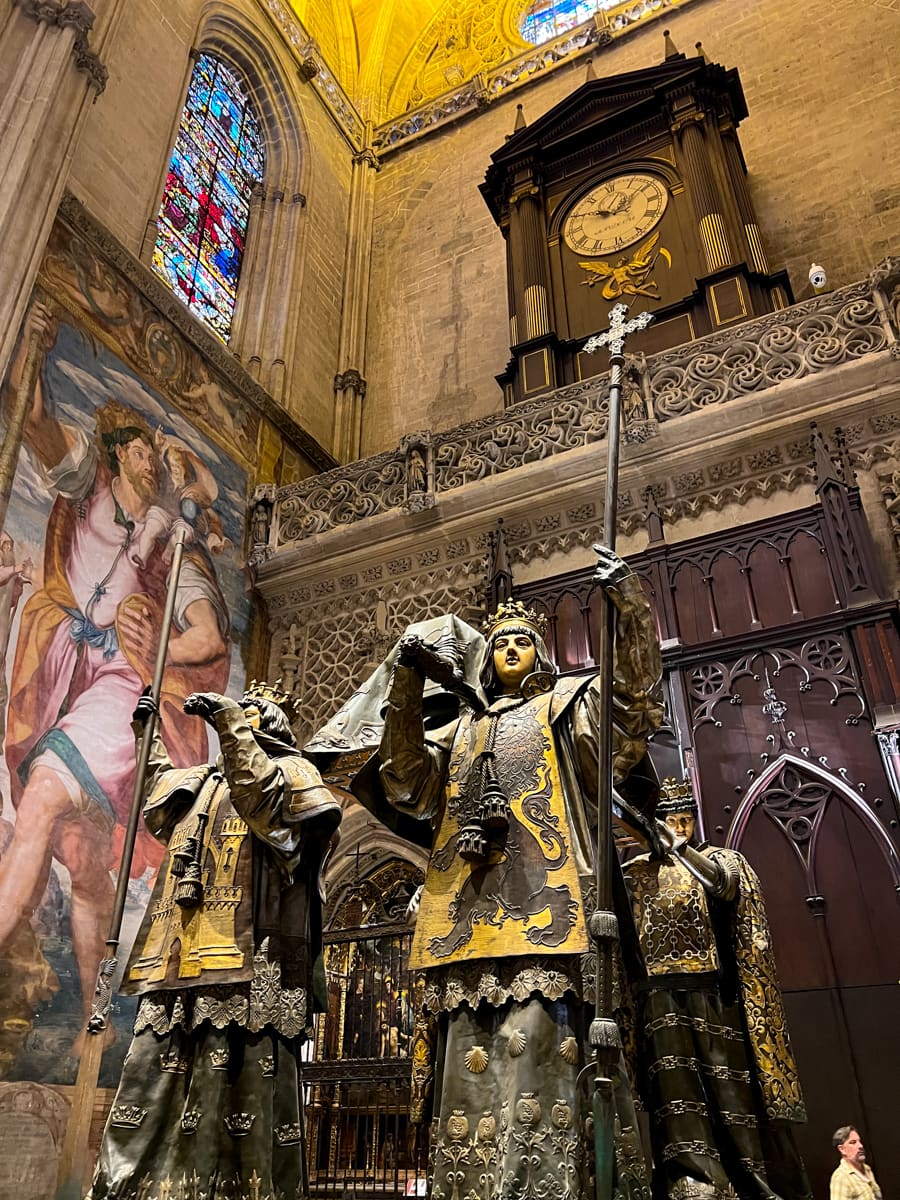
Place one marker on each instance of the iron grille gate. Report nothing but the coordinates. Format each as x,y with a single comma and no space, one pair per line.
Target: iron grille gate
360,1140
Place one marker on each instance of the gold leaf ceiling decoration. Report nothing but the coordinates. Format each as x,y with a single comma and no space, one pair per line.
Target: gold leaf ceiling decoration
404,66
392,55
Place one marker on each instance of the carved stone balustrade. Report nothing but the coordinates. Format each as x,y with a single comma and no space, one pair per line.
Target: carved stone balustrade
717,435
828,331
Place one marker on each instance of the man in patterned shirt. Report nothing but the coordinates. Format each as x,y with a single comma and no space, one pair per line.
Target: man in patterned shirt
853,1178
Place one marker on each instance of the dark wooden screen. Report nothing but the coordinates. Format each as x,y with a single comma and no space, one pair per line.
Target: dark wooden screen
780,650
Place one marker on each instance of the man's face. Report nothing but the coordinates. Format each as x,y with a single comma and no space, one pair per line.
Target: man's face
852,1149
514,658
137,464
682,824
7,553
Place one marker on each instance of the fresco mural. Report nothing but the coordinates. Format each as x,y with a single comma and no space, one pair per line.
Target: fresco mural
119,452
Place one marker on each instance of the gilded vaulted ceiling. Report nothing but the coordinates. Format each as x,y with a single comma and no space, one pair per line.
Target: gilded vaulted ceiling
391,55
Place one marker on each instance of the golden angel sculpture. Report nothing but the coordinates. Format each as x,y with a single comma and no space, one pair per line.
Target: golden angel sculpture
629,276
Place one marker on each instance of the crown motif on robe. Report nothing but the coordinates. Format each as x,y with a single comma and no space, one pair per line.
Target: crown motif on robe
190,1119
675,796
239,1124
127,1116
273,692
173,1062
289,1134
514,612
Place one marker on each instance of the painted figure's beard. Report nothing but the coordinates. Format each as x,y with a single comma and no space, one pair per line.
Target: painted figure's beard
144,483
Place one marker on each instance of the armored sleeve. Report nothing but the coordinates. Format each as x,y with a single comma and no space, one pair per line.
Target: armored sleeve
164,805
259,790
412,771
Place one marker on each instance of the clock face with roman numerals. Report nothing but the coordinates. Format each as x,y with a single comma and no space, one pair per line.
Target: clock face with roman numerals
615,214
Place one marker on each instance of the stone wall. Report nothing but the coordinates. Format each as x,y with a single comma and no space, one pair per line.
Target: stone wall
119,170
822,150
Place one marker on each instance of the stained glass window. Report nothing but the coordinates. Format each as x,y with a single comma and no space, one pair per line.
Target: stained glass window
545,19
219,155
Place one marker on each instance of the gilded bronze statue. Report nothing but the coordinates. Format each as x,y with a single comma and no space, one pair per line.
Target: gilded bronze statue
715,1061
210,1101
505,791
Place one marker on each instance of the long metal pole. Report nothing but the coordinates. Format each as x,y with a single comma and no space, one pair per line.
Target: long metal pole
604,1034
72,1179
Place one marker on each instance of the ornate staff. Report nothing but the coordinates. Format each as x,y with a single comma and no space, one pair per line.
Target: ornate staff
72,1180
604,1035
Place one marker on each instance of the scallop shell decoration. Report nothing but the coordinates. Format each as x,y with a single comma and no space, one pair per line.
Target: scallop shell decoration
568,1049
476,1060
518,1040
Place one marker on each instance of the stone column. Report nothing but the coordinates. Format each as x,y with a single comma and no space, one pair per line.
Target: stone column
246,323
708,205
514,285
262,318
349,381
49,76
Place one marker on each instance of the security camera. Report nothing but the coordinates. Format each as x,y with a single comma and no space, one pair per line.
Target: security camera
817,277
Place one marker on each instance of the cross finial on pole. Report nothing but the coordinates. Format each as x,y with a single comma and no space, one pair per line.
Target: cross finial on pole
619,328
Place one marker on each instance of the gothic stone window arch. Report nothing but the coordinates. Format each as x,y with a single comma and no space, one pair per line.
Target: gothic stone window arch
217,160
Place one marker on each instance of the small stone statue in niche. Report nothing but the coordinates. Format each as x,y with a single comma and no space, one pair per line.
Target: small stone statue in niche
261,507
419,464
637,417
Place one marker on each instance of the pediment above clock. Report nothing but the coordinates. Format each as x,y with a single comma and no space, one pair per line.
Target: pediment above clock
601,109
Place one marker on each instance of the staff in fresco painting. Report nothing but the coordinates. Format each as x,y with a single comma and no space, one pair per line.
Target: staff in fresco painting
502,932
717,1069
225,964
84,653
13,581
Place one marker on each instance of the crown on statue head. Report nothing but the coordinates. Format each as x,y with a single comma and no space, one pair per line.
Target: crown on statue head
273,692
515,613
675,796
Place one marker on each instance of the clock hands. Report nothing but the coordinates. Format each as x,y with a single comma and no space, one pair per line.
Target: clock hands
617,203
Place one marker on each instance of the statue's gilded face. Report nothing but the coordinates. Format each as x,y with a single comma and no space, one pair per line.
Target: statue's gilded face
514,658
252,713
682,824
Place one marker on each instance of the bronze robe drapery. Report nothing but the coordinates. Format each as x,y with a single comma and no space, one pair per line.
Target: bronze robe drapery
716,1066
503,946
210,1095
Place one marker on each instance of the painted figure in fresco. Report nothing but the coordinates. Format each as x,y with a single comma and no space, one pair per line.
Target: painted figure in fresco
192,492
85,651
224,964
502,928
13,581
719,1077
853,1178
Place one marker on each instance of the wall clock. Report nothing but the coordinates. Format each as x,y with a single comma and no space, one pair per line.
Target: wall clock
615,214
